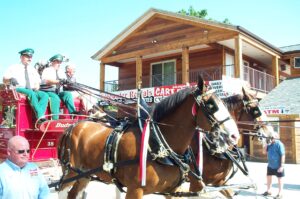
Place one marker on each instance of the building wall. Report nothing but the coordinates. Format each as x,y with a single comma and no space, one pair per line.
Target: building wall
209,58
197,60
290,59
297,142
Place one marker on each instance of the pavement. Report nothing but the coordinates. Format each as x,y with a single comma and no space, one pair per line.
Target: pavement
257,175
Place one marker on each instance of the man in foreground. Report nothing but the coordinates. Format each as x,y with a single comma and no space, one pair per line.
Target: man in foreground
18,177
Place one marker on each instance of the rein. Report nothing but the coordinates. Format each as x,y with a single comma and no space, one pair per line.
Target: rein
108,97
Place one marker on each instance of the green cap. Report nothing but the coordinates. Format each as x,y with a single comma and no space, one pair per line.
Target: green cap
27,51
57,57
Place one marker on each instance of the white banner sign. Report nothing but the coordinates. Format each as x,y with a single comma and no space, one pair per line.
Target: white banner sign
223,88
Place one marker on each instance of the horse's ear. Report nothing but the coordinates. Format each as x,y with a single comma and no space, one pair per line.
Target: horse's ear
245,94
201,84
244,91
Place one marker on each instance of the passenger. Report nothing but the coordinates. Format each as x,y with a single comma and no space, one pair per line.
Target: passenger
27,81
89,102
18,177
51,82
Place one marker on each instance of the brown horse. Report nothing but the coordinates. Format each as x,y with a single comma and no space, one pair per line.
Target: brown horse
245,110
83,145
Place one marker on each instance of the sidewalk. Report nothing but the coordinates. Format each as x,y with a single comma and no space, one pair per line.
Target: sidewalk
257,173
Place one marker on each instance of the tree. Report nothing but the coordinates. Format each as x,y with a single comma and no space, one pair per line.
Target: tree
200,14
192,12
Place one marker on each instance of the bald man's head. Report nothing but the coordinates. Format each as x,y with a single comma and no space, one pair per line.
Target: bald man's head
18,150
16,141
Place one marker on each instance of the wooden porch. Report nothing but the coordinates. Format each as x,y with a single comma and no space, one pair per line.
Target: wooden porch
258,80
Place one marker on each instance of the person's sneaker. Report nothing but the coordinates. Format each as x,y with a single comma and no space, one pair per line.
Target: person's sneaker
279,196
267,194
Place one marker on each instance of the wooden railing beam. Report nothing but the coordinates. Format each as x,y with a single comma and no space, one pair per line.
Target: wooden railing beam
102,76
185,65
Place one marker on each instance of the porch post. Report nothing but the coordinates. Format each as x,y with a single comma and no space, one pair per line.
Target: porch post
238,59
185,64
223,61
139,71
275,70
102,76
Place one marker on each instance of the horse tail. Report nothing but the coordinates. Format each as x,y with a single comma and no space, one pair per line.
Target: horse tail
64,146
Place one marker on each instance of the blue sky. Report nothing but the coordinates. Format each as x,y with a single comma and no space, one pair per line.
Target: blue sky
79,28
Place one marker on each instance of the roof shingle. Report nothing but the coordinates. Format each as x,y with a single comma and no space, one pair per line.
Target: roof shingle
286,95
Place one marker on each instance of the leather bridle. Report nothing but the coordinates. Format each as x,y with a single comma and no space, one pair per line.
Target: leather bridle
209,107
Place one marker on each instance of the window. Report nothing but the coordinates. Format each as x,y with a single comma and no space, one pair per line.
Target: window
275,125
246,70
163,73
297,62
229,60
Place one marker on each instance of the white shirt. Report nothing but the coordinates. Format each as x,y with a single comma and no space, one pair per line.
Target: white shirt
50,74
17,71
22,183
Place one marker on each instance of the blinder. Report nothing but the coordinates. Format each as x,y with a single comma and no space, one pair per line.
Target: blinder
211,105
255,112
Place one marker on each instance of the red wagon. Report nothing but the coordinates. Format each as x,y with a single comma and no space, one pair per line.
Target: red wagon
17,118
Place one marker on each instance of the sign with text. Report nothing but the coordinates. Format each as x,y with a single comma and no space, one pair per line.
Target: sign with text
275,110
155,94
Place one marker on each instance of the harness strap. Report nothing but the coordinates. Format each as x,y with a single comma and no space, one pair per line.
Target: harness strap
83,174
197,174
226,119
111,147
244,169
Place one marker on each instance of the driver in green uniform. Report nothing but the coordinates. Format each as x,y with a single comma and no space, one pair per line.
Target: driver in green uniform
25,79
51,80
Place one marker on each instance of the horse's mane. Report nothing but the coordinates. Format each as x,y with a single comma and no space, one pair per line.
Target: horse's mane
233,102
168,104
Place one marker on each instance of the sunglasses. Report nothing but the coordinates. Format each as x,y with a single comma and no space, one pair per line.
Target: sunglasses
23,151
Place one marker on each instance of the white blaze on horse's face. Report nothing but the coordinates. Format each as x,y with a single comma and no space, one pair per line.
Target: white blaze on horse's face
265,130
229,125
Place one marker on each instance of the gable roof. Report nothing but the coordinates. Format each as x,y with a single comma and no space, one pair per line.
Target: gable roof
286,95
291,49
195,20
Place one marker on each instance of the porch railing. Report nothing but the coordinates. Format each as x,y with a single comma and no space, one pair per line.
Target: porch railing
208,73
258,80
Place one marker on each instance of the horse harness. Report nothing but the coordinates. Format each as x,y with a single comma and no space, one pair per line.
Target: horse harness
159,150
235,155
